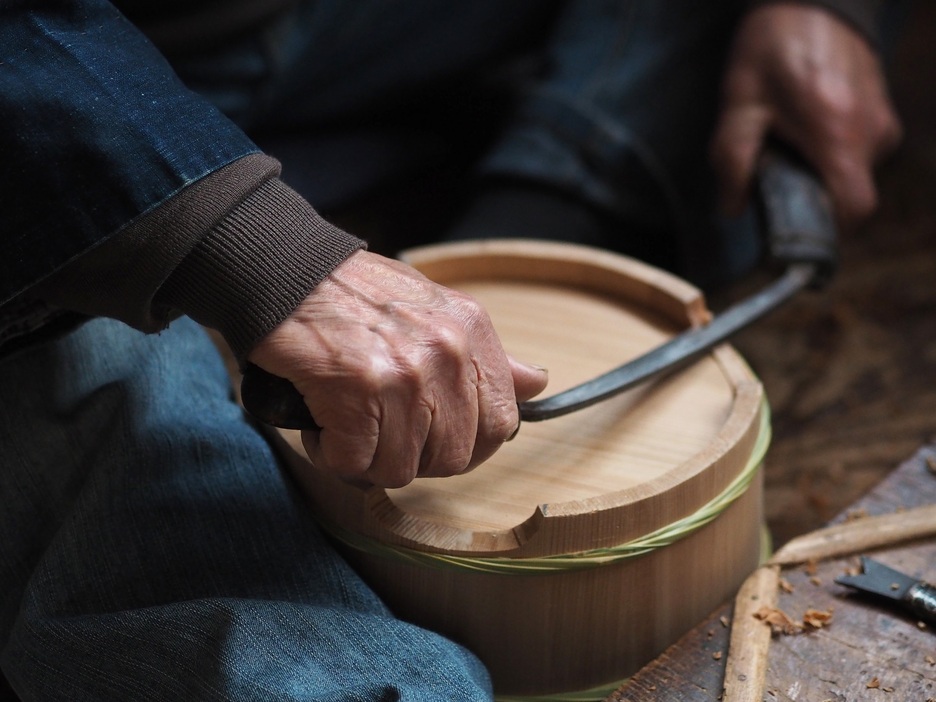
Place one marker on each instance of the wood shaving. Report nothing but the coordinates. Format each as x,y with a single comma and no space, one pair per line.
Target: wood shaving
817,618
778,620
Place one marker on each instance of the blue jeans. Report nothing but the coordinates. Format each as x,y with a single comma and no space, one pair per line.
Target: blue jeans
151,547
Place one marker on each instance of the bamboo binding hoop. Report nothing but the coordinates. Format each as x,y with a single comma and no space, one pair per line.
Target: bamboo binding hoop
591,542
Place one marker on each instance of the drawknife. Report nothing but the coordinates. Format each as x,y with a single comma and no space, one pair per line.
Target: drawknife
800,234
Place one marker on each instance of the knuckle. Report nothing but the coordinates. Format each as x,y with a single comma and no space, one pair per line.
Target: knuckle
393,479
449,341
503,422
453,461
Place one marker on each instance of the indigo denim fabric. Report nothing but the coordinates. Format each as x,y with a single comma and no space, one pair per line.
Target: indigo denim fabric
609,101
622,118
97,129
151,547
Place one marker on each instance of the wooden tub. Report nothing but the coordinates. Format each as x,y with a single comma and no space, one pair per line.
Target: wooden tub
592,541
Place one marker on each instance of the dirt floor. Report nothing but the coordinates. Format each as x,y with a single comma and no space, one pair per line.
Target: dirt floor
850,372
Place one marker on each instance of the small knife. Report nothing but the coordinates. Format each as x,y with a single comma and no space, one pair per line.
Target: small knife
916,596
800,234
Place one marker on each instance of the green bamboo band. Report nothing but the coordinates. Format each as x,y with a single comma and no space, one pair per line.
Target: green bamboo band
584,559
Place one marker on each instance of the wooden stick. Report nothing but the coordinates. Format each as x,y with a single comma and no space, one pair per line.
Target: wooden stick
858,535
746,667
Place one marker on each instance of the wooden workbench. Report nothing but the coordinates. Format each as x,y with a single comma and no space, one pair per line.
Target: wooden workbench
867,651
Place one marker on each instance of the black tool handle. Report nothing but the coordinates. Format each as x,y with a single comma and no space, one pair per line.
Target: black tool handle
921,600
798,221
274,400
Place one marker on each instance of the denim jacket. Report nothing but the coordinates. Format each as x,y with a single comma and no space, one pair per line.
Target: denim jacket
100,137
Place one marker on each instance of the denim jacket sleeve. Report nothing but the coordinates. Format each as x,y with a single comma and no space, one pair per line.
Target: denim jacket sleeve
100,138
97,131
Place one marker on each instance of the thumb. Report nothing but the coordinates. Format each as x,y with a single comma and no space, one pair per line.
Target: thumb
851,184
734,152
529,380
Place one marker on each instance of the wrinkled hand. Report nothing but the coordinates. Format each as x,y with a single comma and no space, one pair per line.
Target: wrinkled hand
405,377
804,76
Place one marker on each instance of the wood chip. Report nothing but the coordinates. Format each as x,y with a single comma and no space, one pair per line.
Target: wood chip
874,684
817,618
930,660
717,655
815,581
779,621
786,585
725,621
809,567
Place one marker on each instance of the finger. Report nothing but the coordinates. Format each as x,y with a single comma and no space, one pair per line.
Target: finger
851,185
404,430
498,413
450,443
736,146
344,446
528,380
890,135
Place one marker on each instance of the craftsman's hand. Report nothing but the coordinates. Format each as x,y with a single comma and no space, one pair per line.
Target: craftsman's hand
804,76
405,377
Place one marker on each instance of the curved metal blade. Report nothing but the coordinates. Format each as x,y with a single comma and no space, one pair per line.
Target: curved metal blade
674,354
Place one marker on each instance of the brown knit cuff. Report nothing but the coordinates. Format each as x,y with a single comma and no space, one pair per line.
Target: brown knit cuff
256,265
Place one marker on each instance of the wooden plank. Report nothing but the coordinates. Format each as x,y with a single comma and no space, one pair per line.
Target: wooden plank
866,649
